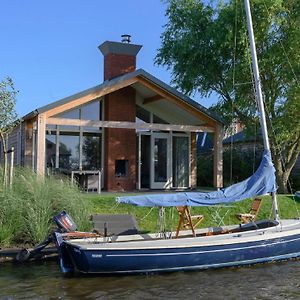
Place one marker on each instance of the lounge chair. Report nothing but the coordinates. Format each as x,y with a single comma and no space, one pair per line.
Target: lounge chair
186,220
253,212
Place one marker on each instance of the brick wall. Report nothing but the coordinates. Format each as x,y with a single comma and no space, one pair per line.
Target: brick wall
118,64
120,144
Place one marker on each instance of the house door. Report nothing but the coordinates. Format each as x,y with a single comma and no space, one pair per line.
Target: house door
161,161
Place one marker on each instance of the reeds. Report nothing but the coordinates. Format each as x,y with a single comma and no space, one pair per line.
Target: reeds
26,210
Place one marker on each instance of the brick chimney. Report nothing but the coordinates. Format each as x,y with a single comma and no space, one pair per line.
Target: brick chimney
119,144
119,58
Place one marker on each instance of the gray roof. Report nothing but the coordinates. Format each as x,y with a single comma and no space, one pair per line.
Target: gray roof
114,81
243,137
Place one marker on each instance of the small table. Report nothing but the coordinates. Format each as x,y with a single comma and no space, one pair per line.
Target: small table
88,172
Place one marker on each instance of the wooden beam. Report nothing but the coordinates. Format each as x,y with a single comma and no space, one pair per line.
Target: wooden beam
193,154
41,145
218,157
152,99
128,125
169,96
87,98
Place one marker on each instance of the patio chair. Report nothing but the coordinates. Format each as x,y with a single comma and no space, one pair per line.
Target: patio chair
186,220
253,212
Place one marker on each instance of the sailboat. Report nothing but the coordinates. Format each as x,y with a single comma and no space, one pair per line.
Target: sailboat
236,245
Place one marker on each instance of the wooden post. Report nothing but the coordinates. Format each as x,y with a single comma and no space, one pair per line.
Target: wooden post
218,156
72,177
4,143
11,167
41,145
99,181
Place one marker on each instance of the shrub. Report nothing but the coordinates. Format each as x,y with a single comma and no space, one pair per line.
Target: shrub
243,165
28,208
295,182
205,170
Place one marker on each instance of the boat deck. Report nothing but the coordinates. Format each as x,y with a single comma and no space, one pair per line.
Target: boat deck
205,237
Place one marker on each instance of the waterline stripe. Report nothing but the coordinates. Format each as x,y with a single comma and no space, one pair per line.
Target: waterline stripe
198,252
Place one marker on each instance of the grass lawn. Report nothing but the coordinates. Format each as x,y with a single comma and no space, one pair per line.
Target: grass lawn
147,217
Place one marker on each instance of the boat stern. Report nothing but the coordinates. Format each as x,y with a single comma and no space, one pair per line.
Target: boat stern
65,261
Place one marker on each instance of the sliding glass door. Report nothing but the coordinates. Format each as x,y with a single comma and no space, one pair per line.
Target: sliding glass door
181,161
161,161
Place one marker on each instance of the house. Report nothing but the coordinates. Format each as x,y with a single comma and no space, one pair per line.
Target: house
135,128
243,141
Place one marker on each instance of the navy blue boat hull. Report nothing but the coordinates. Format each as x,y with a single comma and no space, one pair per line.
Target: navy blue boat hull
182,258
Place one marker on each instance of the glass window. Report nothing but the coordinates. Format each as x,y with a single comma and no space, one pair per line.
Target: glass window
142,114
91,151
50,151
160,159
51,127
79,147
180,161
91,111
69,151
91,129
71,114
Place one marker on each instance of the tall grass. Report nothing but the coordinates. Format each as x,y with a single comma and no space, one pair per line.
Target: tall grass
26,210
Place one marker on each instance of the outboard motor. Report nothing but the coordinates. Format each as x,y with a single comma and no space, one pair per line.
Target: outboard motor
64,222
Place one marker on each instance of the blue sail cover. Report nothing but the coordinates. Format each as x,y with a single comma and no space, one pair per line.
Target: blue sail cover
260,183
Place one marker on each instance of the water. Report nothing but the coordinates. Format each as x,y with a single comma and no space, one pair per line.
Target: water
44,281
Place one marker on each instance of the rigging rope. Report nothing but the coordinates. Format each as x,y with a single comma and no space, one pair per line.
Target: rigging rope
146,216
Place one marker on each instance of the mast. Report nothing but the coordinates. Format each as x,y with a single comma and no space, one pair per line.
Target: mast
259,95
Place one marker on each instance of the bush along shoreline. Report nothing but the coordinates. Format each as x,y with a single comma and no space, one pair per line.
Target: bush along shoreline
27,207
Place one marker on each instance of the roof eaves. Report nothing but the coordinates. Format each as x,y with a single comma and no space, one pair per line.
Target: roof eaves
180,95
30,115
65,100
109,83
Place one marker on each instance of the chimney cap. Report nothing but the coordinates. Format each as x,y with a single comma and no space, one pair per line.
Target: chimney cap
126,38
119,48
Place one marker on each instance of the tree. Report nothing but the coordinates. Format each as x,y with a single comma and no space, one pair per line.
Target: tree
8,117
206,48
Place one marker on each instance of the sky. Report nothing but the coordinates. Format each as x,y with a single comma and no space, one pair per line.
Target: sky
50,48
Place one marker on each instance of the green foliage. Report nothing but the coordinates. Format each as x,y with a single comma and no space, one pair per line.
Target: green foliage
237,165
240,164
27,209
295,182
8,114
205,170
206,48
8,118
107,205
